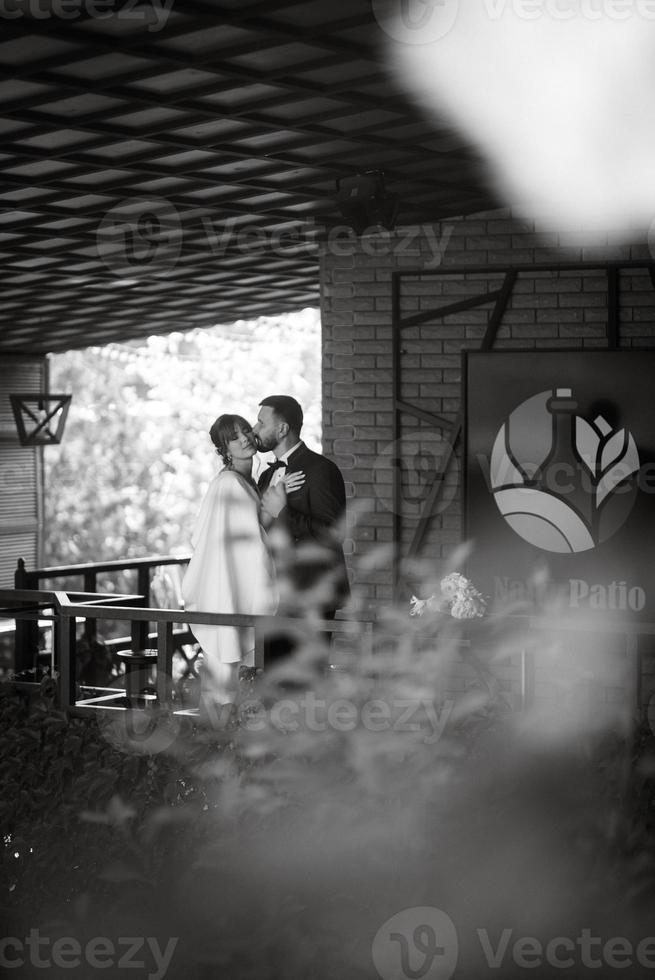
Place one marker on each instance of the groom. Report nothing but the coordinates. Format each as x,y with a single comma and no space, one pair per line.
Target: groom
312,516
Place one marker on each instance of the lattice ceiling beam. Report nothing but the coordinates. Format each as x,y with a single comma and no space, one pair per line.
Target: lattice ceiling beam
130,97
331,165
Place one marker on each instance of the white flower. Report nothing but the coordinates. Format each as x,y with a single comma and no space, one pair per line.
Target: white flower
417,606
452,584
458,593
459,609
435,603
464,607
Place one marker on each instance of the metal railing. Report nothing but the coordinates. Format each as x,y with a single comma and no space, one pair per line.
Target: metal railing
66,608
27,630
300,628
29,608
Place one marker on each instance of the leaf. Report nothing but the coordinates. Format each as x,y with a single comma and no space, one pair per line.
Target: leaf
98,786
587,443
171,792
30,733
622,470
108,774
120,812
72,744
613,449
54,724
117,872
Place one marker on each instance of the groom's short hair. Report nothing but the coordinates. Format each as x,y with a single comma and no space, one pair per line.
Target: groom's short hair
286,408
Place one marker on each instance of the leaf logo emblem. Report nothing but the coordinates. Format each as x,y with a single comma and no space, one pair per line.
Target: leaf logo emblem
562,482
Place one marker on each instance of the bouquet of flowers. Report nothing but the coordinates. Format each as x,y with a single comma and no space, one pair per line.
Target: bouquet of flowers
458,594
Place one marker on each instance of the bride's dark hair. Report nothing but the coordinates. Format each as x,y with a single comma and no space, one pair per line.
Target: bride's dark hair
223,430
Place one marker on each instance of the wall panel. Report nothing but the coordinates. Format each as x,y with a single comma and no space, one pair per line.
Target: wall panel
20,471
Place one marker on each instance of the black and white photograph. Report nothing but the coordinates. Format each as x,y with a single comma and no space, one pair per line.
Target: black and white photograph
327,489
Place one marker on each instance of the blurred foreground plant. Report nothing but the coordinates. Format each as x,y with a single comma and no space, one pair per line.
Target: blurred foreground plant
277,839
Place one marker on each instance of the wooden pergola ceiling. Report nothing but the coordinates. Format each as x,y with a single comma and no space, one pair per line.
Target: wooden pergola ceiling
160,179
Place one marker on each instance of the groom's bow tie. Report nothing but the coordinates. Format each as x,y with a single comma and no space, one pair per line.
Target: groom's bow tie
276,465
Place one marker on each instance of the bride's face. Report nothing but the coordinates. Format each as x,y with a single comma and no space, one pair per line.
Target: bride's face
242,446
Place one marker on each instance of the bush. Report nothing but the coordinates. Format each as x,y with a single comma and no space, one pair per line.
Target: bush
280,840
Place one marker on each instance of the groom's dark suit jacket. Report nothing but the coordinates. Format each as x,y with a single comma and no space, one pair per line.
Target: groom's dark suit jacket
316,514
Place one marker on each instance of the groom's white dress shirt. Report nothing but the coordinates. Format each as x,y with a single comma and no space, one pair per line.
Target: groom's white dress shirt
280,471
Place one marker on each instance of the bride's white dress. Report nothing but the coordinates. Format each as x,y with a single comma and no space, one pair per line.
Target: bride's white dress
231,570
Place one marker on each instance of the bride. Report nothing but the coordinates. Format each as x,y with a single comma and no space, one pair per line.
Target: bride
231,570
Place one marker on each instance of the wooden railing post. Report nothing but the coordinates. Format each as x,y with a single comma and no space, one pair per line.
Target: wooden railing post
65,646
26,650
140,629
165,649
90,585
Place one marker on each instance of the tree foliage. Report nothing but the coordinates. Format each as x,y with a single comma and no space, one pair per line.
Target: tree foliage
136,458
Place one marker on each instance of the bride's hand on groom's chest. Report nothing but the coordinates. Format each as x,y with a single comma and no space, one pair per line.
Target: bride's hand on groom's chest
294,481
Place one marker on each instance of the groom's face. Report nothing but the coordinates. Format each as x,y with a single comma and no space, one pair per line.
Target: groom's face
267,429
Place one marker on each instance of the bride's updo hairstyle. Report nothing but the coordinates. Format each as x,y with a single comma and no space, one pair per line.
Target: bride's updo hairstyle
223,431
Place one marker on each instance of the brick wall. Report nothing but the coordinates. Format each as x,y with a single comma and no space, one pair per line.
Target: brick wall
547,310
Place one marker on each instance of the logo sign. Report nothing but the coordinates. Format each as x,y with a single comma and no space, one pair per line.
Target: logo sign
560,479
563,483
416,943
